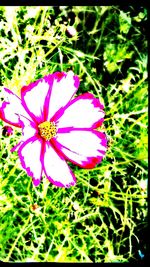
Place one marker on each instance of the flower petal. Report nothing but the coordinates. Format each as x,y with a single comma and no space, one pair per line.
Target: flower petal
35,98
30,157
64,87
29,129
56,168
84,111
11,108
84,148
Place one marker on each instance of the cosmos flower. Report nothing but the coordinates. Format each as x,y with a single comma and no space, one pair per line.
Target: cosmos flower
55,127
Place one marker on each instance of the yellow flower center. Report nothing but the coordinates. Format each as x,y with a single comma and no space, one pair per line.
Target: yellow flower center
47,130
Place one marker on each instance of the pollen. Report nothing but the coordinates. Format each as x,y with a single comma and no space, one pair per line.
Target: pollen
47,130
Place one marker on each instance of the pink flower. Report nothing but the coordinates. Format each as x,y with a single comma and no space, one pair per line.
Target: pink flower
55,127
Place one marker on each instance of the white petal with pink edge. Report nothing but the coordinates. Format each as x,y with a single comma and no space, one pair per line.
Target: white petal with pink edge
11,108
35,98
85,148
56,168
29,128
64,87
30,157
84,111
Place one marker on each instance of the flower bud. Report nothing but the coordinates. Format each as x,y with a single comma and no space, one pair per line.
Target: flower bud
7,130
71,31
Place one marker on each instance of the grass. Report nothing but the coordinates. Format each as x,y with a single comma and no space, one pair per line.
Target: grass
104,217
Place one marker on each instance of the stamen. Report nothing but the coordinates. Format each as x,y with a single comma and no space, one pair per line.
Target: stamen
47,130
